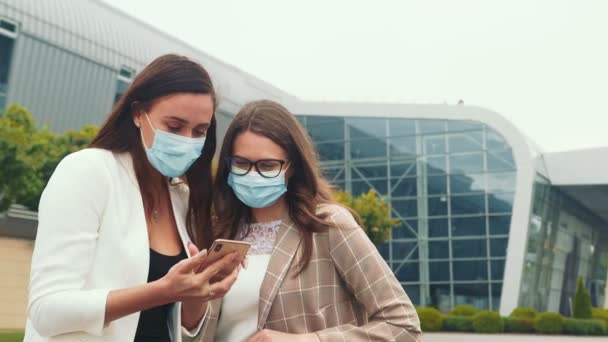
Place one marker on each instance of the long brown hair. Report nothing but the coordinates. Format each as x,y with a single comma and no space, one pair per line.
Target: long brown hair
166,75
306,188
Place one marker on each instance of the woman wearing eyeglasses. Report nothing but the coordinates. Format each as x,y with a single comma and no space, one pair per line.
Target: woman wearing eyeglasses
313,274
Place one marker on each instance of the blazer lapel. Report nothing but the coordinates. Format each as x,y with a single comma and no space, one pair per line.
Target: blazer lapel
285,247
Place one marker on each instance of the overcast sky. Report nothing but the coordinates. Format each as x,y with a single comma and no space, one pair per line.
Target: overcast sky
543,64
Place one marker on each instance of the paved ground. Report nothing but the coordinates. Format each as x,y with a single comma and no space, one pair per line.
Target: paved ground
444,337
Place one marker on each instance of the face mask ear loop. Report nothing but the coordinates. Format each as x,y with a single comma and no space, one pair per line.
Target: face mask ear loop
141,133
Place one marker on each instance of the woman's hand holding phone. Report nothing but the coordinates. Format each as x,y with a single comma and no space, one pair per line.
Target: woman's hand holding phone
195,278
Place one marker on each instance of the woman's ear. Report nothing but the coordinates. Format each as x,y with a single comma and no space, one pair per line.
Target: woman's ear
136,114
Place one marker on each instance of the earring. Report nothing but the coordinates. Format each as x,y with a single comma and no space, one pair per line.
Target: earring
137,124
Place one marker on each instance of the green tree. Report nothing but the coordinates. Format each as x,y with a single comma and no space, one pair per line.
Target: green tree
374,213
582,301
29,155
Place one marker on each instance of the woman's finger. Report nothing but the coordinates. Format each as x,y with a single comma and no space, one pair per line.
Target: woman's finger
214,268
194,261
222,287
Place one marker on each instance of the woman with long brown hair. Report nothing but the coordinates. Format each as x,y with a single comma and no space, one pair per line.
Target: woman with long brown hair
121,223
313,274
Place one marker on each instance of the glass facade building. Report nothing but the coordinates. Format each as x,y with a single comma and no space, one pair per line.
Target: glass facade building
450,184
565,241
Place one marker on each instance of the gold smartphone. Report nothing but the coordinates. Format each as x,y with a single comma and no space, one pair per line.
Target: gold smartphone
221,247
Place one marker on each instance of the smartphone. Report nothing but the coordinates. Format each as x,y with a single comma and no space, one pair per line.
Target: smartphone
221,247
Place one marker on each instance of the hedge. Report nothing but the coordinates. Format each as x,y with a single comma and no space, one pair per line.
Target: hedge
430,319
488,322
463,310
519,325
573,326
548,323
523,313
458,323
518,322
597,313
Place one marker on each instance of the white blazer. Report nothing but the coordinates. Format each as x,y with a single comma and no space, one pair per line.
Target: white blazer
93,238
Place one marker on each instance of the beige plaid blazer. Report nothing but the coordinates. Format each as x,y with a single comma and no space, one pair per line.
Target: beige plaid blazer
347,292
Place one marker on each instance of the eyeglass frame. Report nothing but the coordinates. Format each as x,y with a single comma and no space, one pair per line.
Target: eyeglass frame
255,163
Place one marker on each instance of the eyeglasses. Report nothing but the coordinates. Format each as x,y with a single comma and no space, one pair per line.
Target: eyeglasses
267,168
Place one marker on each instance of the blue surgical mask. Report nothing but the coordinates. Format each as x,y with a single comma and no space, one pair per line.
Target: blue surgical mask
256,191
172,154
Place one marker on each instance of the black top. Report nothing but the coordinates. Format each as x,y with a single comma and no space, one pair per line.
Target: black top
152,326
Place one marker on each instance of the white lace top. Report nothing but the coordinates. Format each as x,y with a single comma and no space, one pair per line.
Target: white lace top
239,317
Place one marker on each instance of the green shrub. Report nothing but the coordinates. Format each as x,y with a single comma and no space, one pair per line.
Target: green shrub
519,325
463,310
430,319
548,323
582,301
573,326
597,313
524,313
488,322
458,323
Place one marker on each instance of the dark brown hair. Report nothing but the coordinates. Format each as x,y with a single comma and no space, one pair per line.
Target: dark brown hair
168,74
306,188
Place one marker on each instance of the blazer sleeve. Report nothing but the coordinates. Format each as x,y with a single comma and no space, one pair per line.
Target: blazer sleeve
69,215
391,316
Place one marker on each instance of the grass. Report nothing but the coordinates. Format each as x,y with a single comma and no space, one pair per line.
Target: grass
11,336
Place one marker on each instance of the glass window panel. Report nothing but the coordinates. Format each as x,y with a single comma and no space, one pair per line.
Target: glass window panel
409,271
121,89
331,151
500,225
406,208
501,181
434,145
461,125
466,163
469,226
439,270
333,174
495,141
413,291
437,185
438,206
498,269
472,183
496,294
469,248
403,147
472,294
370,148
439,249
398,127
470,270
431,126
500,202
6,53
406,230
403,250
438,227
465,142
436,165
383,249
364,186
403,168
325,128
369,171
404,187
440,297
500,161
467,205
366,128
498,247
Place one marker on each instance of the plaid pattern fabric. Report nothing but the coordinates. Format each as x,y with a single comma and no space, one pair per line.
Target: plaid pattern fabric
347,292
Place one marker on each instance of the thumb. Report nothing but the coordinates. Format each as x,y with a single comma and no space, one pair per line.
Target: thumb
192,249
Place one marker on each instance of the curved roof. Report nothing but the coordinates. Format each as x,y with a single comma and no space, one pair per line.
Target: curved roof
105,35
